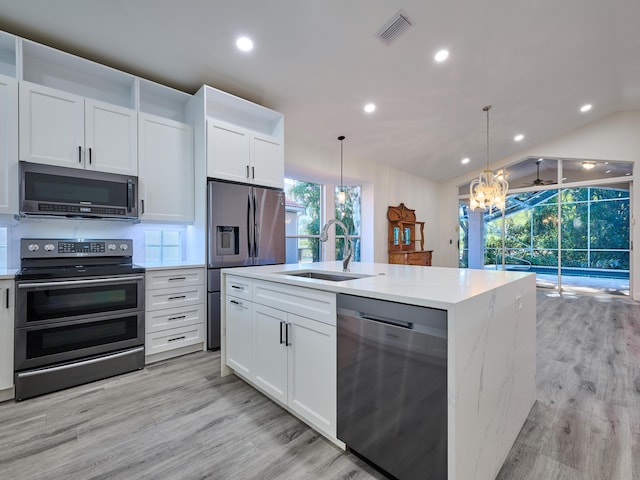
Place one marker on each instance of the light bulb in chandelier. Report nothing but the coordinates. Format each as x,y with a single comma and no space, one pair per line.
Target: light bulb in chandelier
342,196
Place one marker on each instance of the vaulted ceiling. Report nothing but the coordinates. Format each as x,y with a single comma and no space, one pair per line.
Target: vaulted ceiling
319,62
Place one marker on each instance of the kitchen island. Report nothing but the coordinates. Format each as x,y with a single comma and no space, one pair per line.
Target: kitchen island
491,348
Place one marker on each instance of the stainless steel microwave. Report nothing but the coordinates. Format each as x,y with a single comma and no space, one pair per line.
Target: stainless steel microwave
72,192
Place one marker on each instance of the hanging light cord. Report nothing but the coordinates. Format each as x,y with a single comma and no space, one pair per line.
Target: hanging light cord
486,109
341,138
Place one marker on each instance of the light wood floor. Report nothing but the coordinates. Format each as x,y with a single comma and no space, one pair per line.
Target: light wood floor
179,420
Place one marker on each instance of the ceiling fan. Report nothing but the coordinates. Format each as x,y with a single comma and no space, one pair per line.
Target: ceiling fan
538,182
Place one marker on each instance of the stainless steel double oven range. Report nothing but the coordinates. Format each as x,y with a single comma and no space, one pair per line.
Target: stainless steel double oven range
79,313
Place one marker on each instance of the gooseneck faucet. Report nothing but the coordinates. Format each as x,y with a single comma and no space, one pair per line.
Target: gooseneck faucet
348,244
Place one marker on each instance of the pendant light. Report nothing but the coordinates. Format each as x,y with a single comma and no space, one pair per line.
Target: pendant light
342,196
488,190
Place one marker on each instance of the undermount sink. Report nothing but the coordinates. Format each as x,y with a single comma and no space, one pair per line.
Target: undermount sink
330,276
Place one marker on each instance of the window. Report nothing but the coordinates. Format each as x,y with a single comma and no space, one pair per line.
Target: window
302,218
306,211
163,246
349,214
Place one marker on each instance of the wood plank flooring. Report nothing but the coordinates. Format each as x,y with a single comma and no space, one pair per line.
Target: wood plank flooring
180,420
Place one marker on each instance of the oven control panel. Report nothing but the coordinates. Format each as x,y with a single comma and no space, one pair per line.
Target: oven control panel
59,248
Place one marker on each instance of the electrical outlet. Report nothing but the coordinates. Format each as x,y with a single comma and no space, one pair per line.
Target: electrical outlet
519,302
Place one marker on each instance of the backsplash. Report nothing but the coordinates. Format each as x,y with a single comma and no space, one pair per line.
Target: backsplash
87,228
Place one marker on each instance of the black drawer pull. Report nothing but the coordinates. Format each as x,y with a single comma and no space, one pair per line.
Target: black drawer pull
177,278
178,297
7,299
235,302
179,317
237,287
177,338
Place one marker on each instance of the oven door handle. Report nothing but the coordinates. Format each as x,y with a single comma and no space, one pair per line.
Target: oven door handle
70,366
81,282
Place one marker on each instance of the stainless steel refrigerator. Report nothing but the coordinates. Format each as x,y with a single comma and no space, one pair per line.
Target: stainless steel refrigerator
245,226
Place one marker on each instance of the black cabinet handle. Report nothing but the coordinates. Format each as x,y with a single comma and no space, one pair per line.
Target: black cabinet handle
89,155
79,153
179,317
281,340
286,335
177,278
253,172
235,302
7,299
142,206
177,338
177,297
247,171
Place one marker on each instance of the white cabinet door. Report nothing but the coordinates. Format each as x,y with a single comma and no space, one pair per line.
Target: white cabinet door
239,335
267,162
166,166
312,372
6,334
270,347
8,145
111,138
51,126
228,152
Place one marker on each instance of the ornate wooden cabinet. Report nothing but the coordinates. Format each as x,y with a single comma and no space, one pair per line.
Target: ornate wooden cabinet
403,240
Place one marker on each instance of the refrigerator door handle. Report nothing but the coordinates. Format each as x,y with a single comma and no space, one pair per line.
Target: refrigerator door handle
249,231
256,227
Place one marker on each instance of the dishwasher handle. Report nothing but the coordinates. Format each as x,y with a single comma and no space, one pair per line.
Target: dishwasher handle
386,321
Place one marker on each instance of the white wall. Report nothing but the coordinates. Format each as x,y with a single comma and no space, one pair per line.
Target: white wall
382,186
616,137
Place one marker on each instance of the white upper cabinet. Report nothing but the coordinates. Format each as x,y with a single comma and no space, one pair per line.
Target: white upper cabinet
166,164
228,152
60,128
243,141
268,161
8,145
110,138
237,154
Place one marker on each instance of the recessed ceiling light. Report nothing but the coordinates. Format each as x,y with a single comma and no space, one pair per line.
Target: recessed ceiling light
518,137
585,108
465,160
441,56
608,171
245,44
627,174
369,107
588,165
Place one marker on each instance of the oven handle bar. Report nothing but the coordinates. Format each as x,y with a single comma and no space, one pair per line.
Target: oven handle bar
76,364
81,282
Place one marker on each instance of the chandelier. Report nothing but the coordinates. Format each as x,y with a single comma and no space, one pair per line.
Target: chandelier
488,190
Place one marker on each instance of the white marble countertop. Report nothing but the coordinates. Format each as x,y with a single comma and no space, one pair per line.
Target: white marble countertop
8,273
168,266
435,287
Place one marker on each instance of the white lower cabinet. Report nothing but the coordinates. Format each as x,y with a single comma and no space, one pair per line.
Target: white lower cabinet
6,338
239,335
174,312
290,356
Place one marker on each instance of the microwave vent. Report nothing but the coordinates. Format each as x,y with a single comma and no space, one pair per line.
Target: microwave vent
397,25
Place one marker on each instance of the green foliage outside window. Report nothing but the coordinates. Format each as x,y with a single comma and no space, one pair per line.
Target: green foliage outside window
594,230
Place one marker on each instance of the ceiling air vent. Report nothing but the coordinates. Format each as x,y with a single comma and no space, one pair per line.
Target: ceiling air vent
391,30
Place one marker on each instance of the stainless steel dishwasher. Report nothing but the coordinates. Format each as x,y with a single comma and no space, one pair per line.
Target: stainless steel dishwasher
392,385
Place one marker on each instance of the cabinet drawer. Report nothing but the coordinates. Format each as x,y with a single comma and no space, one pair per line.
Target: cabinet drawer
174,278
157,342
173,297
164,319
419,258
305,302
239,287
